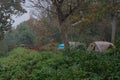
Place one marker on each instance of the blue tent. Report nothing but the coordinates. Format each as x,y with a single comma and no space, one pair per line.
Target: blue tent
61,46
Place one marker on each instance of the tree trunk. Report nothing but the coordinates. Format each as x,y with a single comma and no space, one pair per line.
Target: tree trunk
65,40
64,31
113,29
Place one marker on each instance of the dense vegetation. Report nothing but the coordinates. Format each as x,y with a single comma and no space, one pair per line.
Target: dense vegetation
70,64
7,9
59,21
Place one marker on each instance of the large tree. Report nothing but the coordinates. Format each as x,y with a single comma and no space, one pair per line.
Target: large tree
110,10
103,10
89,10
115,8
7,9
62,8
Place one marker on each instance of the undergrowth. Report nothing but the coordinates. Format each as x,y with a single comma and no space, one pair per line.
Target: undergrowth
70,64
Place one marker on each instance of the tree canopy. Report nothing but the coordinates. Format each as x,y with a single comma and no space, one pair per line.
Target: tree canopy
7,9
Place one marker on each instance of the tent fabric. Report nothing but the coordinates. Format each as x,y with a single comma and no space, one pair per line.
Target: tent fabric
75,44
100,46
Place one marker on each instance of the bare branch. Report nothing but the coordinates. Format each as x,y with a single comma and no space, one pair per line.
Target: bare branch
42,4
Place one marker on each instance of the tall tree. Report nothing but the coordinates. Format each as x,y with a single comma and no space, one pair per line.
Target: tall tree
111,9
114,18
62,8
7,9
24,35
91,10
100,10
44,29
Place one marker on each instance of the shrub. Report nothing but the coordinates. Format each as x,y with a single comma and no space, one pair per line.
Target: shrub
3,49
72,64
117,44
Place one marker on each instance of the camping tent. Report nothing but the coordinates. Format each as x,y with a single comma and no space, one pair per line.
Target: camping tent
100,46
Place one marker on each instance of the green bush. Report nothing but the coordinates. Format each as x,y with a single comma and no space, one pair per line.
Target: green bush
117,44
3,49
72,64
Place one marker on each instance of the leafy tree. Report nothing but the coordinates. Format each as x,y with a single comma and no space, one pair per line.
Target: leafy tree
99,11
44,29
86,11
21,36
24,35
7,9
62,8
109,10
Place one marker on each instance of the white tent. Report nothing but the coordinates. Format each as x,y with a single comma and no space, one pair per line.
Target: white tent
75,44
100,46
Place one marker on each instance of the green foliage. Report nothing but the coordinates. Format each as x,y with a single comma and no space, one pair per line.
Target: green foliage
8,8
95,65
16,37
117,44
25,64
24,35
3,52
3,49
